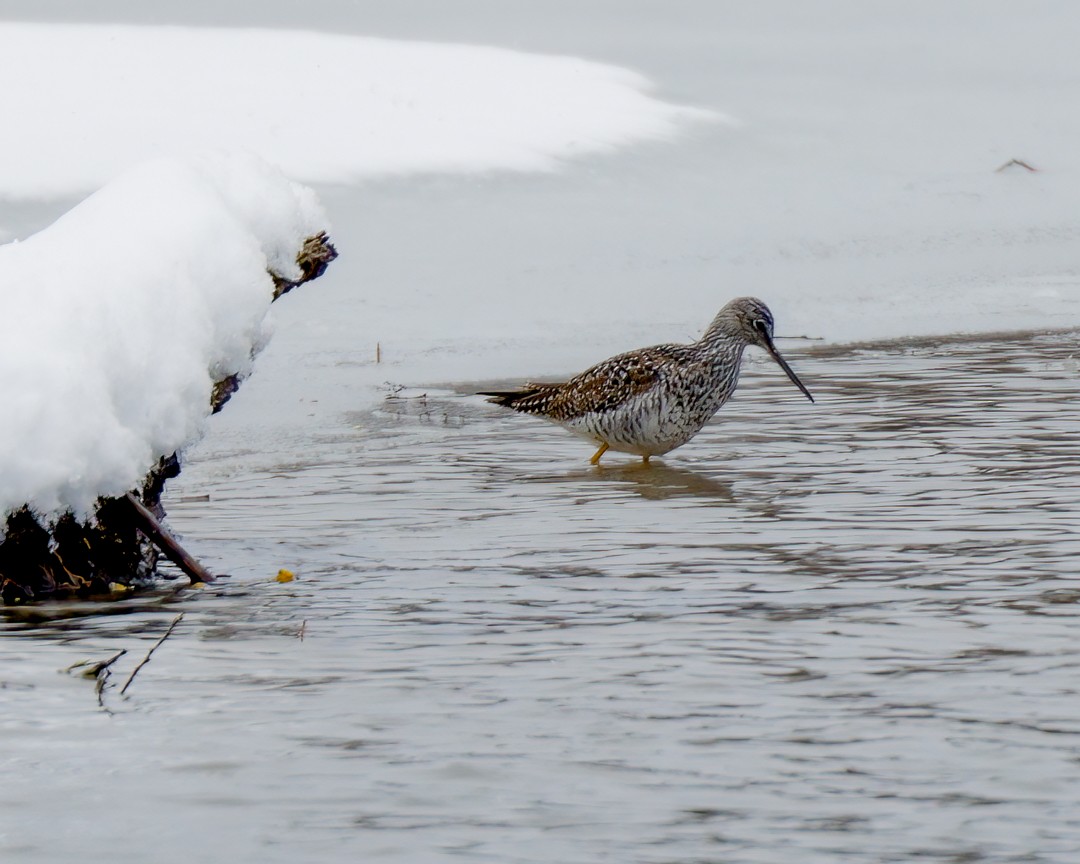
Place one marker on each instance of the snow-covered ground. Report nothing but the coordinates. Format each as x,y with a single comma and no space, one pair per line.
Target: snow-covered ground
839,157
323,107
851,178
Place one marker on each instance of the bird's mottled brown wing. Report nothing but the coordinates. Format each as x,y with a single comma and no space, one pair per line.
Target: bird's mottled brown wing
601,388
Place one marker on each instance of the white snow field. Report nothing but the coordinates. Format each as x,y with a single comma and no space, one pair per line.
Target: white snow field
116,320
322,107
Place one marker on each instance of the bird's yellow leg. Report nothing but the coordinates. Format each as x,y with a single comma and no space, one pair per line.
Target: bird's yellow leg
596,456
644,460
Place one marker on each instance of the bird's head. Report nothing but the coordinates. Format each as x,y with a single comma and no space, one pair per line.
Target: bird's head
750,320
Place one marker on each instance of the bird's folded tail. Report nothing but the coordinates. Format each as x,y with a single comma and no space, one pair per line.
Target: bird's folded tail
530,399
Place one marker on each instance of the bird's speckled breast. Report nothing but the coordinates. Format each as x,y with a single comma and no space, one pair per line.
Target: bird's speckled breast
665,416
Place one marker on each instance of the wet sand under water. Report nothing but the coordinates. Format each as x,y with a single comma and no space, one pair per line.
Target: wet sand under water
842,632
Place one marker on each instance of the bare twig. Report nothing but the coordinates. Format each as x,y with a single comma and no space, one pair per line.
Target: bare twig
103,676
161,538
1020,162
98,670
93,668
146,659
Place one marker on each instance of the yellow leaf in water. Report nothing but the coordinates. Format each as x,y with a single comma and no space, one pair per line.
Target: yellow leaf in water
285,575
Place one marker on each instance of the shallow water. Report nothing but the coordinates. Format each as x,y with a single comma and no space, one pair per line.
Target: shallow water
817,633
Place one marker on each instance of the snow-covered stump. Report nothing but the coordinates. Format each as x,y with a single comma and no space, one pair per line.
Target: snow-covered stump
123,326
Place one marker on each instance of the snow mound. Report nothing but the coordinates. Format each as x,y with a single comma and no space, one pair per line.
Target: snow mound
116,320
323,107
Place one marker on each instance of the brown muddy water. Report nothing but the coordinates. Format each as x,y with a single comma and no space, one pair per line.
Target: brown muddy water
842,632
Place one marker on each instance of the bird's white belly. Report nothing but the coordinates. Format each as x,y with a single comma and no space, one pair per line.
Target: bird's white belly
651,425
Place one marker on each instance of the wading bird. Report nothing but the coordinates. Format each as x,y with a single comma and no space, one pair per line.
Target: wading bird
650,401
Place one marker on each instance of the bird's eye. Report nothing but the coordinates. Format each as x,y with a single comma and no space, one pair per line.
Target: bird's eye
761,326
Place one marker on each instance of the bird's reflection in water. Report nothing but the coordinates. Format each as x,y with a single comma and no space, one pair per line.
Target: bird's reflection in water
655,481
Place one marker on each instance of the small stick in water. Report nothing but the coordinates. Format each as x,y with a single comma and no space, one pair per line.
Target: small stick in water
99,671
146,659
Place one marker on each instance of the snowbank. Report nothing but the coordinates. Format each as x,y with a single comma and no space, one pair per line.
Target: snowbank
116,320
323,107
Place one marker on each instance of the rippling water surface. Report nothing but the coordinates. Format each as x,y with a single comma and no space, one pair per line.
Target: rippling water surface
842,632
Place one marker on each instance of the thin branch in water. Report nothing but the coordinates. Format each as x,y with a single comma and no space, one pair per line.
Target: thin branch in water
160,537
102,678
146,659
93,668
99,671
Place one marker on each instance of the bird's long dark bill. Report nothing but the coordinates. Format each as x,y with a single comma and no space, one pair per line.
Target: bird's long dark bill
787,369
